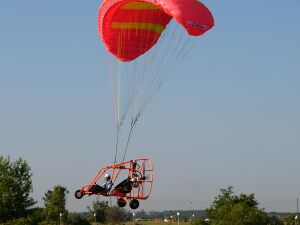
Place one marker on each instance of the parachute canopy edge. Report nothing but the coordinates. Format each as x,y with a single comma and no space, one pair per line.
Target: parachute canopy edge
116,16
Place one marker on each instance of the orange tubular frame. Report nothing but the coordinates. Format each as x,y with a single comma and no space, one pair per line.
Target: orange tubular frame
135,170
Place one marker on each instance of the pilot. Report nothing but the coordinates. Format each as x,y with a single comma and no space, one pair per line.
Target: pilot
108,183
104,188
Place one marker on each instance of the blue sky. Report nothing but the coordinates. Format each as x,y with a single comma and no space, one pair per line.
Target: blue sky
229,115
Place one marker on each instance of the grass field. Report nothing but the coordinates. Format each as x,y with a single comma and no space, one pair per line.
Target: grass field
150,223
156,223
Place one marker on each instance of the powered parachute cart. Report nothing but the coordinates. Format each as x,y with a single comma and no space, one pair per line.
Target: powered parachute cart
129,182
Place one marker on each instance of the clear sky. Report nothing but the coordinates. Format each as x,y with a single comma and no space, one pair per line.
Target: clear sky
229,115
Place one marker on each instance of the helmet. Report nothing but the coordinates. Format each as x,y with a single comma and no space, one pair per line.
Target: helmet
107,176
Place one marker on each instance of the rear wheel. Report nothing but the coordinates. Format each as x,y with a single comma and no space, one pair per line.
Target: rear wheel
134,204
78,194
121,202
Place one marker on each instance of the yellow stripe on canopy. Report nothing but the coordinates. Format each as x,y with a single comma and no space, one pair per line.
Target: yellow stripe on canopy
139,5
140,26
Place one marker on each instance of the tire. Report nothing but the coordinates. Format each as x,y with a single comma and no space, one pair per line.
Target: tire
134,204
78,194
121,202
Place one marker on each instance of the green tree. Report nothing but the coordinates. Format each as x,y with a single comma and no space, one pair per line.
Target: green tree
116,214
290,220
19,221
274,220
77,219
199,222
55,203
16,188
100,209
140,214
34,217
230,209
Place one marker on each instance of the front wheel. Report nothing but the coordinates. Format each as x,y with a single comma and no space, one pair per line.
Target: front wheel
121,202
134,204
78,194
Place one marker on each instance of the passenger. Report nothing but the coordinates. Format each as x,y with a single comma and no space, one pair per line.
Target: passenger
104,188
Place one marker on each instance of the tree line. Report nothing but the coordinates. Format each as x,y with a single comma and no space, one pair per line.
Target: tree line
17,207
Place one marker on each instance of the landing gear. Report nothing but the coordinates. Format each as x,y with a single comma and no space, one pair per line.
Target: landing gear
121,202
78,194
134,204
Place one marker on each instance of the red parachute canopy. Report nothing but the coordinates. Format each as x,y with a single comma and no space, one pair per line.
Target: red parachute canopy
129,28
